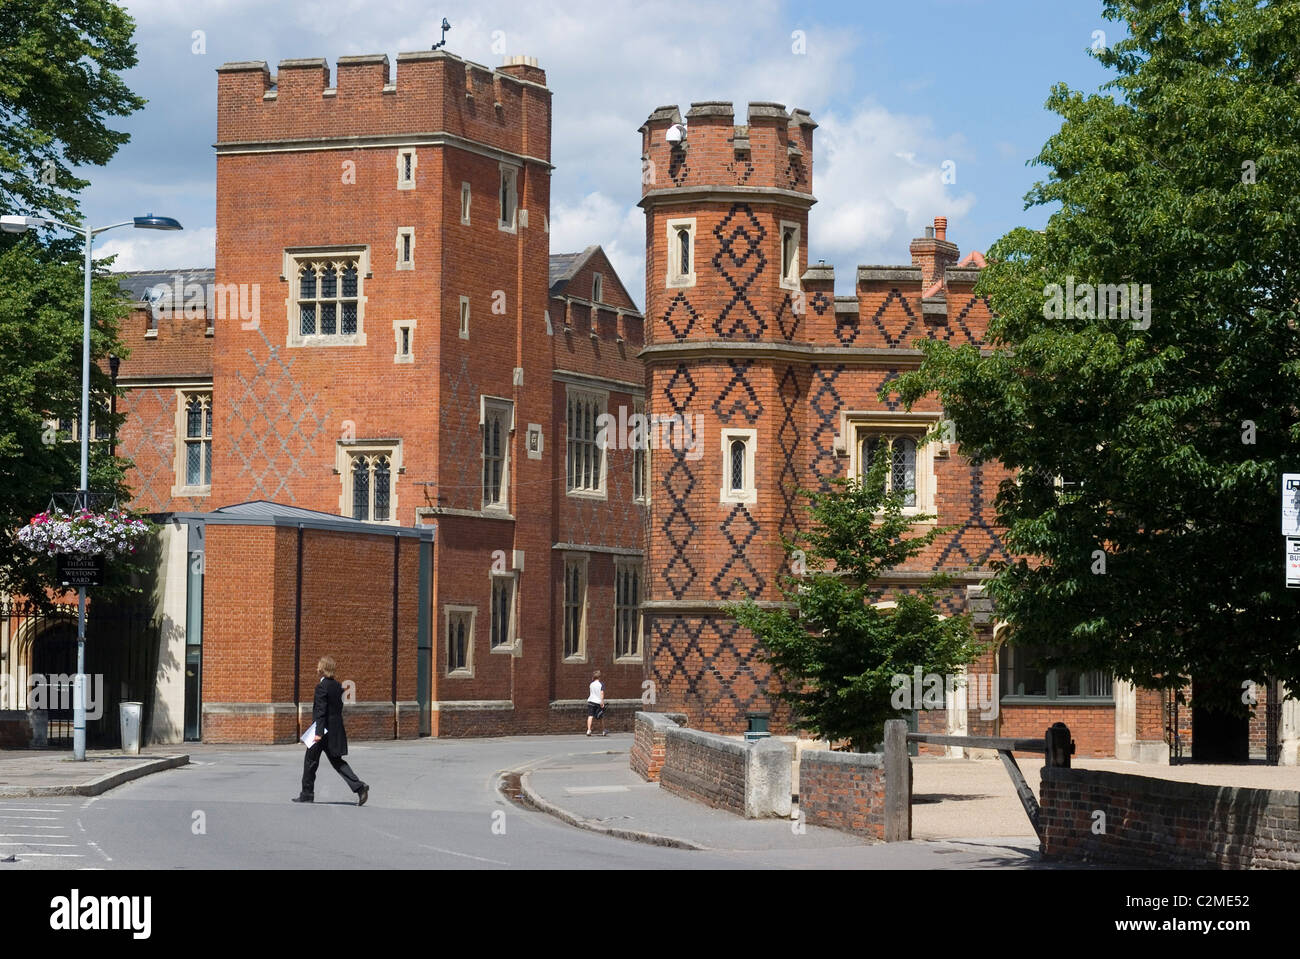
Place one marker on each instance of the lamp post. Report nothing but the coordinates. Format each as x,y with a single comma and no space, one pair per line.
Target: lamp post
114,364
18,224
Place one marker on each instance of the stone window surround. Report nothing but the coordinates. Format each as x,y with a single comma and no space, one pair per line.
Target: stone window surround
621,564
398,355
402,182
344,452
601,492
583,562
293,258
449,611
788,281
405,231
183,395
497,404
511,647
855,425
510,180
674,278
749,494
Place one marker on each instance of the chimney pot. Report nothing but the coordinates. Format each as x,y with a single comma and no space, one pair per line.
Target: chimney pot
929,233
941,227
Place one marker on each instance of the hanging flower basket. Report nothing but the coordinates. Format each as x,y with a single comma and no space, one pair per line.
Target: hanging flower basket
107,534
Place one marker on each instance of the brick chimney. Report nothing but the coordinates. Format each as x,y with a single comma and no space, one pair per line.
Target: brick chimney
933,253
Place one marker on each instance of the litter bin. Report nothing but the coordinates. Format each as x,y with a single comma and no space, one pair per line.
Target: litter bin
131,716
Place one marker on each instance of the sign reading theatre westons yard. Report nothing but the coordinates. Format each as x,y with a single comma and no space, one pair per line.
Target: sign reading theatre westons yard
80,569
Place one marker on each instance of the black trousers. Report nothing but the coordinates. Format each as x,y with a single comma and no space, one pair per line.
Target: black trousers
312,760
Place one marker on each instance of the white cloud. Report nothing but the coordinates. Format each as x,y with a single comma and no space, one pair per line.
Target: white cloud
619,230
878,178
149,250
608,65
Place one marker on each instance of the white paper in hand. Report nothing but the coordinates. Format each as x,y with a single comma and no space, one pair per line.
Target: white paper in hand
310,734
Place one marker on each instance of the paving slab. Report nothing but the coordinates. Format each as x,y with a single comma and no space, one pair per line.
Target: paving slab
35,772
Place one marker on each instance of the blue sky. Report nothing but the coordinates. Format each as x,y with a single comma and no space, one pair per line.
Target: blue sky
897,88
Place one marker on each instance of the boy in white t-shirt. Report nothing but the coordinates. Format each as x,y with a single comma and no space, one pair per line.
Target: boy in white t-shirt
596,703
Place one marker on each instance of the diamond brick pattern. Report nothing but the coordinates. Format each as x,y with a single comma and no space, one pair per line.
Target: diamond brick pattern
738,576
791,396
877,319
738,399
273,424
739,261
712,664
680,317
824,403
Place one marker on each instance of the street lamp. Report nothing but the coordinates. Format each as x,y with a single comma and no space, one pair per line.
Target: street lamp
18,224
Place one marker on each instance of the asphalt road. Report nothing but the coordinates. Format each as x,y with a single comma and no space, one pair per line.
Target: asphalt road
434,804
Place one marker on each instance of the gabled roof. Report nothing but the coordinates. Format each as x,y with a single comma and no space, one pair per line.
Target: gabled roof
565,266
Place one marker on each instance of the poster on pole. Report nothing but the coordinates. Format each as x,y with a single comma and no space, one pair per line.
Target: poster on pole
1293,562
1291,504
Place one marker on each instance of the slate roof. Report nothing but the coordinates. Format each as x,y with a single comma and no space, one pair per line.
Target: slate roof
565,266
137,284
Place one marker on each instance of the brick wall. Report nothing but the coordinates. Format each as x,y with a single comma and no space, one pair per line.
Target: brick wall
843,791
648,742
1154,823
250,610
749,779
1092,727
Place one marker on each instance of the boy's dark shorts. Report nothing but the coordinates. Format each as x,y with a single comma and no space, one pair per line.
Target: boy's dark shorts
594,710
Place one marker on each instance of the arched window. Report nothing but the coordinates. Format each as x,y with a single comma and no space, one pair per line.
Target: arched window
737,466
684,251
371,487
901,473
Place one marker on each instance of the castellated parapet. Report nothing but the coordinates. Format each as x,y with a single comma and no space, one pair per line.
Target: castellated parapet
772,149
508,108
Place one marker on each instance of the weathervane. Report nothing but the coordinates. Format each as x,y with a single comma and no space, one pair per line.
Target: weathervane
445,27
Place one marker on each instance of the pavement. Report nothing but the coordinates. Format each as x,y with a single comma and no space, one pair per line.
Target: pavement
34,773
571,802
596,790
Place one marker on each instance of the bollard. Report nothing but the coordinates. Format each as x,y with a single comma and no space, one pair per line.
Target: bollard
1059,746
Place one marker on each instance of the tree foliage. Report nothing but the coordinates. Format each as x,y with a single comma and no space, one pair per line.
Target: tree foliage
58,84
835,653
1160,556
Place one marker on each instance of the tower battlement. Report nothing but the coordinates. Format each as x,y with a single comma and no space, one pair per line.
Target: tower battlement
770,149
434,92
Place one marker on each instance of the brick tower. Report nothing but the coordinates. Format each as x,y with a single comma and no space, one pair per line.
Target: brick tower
726,232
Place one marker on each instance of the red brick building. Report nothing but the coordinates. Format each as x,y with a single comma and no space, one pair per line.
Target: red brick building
747,339
377,427
392,426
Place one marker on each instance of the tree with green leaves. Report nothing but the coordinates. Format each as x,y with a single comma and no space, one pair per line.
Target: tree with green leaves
835,651
1144,377
59,83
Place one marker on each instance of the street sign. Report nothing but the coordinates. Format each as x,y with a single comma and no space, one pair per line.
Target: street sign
1291,504
80,569
1293,562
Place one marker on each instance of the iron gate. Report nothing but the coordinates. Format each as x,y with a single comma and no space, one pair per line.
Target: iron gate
38,658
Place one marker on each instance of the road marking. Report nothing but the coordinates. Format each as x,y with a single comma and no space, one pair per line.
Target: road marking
52,845
41,818
32,809
463,855
95,846
55,855
34,835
